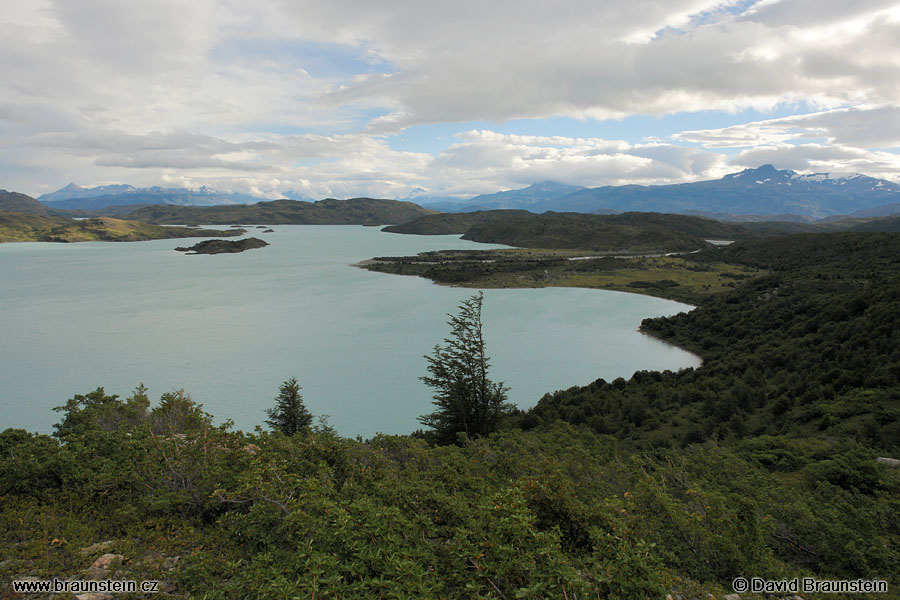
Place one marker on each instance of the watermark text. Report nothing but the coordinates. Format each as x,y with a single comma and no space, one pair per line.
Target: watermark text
809,585
82,586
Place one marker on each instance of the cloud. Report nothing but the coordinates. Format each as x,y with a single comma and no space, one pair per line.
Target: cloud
509,161
819,158
172,150
858,127
583,62
358,164
302,94
842,140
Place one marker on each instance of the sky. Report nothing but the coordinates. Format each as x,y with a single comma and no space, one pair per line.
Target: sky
411,98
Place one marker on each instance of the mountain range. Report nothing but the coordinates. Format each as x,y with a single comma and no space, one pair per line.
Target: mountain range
75,197
764,192
524,198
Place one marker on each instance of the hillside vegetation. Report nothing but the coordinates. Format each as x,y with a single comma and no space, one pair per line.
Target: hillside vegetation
674,277
811,347
357,211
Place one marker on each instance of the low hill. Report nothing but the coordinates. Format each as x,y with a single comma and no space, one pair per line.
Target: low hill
453,223
356,211
22,227
884,224
846,252
834,224
586,232
20,203
631,231
888,210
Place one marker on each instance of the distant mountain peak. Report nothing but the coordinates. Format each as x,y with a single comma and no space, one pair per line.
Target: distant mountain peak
761,191
762,173
549,184
203,189
75,197
541,191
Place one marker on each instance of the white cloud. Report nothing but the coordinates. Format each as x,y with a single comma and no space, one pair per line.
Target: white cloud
841,140
510,161
304,94
858,127
543,63
819,158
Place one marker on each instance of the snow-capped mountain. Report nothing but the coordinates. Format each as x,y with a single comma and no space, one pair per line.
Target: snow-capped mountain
857,185
73,190
761,191
75,197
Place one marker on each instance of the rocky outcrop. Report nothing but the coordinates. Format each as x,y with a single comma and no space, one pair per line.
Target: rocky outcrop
95,548
106,560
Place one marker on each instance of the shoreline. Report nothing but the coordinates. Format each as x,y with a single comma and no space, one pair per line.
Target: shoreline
371,262
671,276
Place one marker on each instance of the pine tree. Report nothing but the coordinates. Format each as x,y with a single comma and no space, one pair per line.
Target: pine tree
466,400
289,415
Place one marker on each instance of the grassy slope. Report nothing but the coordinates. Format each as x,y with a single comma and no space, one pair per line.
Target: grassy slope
674,277
18,227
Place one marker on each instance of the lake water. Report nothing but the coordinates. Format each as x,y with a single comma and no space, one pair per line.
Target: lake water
230,328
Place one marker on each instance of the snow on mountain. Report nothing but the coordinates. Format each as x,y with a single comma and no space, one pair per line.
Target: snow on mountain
75,197
761,191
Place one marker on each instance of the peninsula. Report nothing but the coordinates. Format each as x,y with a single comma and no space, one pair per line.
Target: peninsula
24,227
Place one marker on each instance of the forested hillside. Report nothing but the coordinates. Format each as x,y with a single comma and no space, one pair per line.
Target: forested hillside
356,211
631,231
812,348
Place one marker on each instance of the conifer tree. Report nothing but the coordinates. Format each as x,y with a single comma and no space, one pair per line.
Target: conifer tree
467,400
289,415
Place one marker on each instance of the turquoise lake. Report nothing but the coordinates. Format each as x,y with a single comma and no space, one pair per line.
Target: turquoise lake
228,329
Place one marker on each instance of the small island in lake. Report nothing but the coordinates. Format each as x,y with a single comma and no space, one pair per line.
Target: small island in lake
223,246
